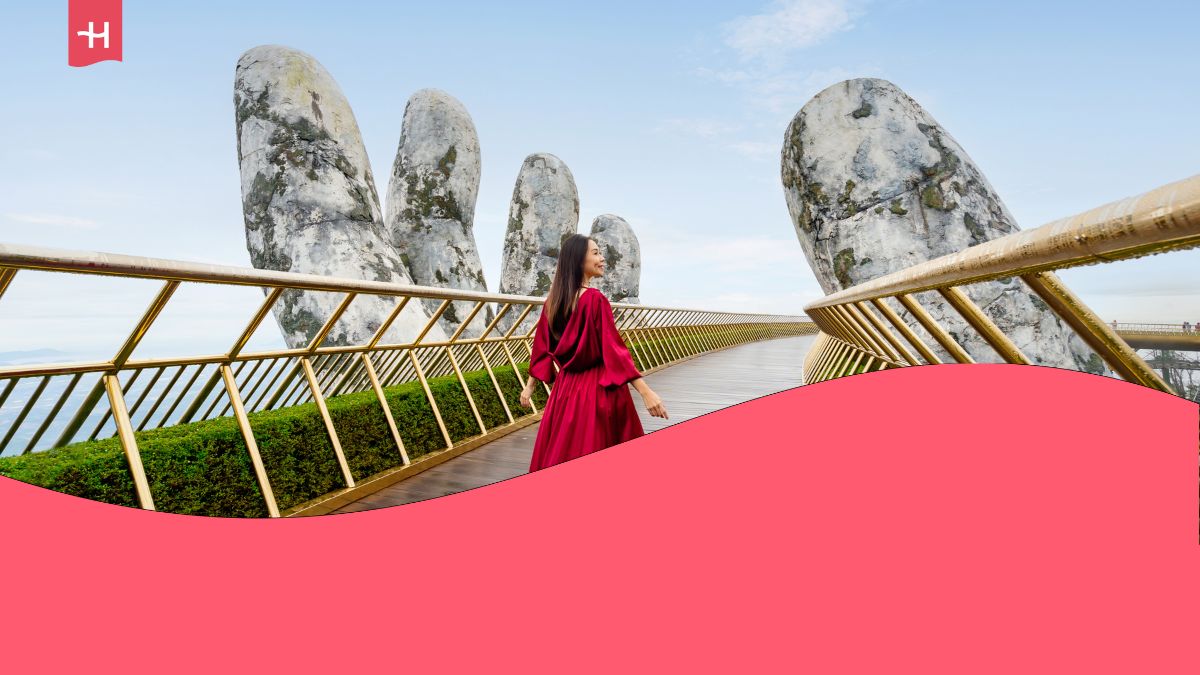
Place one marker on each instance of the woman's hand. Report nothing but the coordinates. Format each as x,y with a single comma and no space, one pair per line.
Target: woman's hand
654,404
526,395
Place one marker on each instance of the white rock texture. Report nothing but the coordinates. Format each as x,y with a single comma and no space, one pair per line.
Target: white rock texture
622,257
430,207
543,213
309,200
874,184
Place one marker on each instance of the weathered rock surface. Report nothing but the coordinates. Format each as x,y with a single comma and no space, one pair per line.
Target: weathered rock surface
430,208
543,213
308,197
622,257
875,185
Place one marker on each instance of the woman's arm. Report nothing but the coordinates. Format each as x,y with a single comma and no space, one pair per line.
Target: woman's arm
654,404
527,392
541,364
618,362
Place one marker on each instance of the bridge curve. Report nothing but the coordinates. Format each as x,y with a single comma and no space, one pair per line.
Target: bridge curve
1172,336
689,389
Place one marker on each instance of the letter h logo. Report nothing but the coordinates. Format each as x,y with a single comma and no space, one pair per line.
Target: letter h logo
93,35
85,46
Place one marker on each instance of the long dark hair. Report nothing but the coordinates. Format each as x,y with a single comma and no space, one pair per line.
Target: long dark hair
568,278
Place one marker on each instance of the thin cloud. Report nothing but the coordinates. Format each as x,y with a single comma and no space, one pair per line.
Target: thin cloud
705,128
53,220
756,150
788,25
780,92
771,302
724,254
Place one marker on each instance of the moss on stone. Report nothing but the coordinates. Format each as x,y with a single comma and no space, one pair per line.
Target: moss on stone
516,218
428,196
843,260
864,110
932,197
947,161
816,193
612,256
978,233
793,152
297,319
897,209
380,269
446,163
845,201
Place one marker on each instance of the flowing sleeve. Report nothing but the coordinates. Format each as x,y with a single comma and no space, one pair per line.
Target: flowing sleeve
541,365
618,364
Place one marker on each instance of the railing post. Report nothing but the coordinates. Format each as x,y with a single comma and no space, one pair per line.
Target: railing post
980,322
243,421
319,399
935,329
125,432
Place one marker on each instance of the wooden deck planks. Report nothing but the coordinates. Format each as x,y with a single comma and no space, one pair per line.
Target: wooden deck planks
689,389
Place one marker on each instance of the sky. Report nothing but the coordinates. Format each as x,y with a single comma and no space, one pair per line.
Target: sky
669,114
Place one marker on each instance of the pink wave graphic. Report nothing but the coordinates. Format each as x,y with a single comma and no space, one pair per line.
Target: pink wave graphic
983,518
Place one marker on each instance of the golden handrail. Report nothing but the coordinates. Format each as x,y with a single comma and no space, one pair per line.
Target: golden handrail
245,382
1164,219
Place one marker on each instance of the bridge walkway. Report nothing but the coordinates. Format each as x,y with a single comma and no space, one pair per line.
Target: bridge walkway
689,389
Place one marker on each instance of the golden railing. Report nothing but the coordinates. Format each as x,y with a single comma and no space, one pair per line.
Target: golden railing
657,337
1171,336
862,329
1156,328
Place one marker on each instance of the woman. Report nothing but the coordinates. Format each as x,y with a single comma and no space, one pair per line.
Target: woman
589,407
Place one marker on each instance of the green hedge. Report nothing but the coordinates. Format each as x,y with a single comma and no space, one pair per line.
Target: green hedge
203,468
656,350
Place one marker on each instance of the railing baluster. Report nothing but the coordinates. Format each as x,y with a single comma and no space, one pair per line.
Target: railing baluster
116,403
243,421
984,325
24,412
104,418
161,397
935,329
907,332
328,420
1098,335
387,409
37,436
182,392
897,347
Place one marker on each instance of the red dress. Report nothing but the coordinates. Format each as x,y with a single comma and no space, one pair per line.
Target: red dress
589,408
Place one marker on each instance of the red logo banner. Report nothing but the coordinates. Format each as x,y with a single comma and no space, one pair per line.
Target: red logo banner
93,31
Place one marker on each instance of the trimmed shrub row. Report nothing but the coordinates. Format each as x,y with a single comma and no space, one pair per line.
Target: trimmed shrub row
204,468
